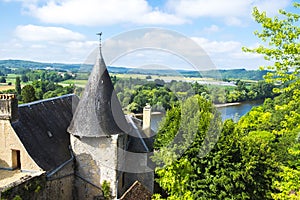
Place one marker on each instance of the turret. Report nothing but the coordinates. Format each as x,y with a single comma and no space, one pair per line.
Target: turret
97,134
8,107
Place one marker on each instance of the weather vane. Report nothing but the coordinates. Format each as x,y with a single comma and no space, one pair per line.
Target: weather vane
100,34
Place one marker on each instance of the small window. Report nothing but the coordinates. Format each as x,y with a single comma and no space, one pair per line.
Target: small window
16,159
49,134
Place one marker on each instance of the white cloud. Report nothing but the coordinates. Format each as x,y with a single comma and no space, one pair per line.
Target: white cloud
212,8
213,47
100,12
229,54
49,44
44,33
233,12
233,21
38,46
212,28
271,6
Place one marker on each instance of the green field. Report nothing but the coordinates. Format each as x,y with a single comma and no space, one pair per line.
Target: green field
165,78
79,83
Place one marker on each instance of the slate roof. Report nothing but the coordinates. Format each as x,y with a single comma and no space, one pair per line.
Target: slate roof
138,141
42,128
99,112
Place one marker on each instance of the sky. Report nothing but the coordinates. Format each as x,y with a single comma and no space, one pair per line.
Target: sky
64,31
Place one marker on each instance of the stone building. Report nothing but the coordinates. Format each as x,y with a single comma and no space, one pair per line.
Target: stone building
35,148
107,145
70,156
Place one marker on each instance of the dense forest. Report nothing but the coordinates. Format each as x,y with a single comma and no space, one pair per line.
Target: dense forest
199,157
135,93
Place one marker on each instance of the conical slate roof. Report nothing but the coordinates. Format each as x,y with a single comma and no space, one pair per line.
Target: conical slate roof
99,112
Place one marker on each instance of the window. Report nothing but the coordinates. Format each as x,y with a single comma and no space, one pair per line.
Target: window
16,159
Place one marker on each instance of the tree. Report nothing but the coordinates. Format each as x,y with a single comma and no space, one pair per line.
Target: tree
280,117
24,78
18,85
28,94
186,135
281,35
148,77
2,79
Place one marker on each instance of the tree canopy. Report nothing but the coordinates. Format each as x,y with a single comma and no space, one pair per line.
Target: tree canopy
255,158
280,35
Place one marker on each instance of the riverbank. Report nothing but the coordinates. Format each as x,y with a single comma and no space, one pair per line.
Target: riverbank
152,113
227,104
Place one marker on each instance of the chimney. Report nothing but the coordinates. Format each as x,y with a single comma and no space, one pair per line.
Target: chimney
8,107
147,120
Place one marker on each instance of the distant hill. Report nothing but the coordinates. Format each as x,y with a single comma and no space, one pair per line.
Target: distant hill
224,74
238,74
37,65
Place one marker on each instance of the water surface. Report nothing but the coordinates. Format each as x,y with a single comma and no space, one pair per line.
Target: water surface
234,112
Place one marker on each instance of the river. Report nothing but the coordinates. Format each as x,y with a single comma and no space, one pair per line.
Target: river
235,112
228,112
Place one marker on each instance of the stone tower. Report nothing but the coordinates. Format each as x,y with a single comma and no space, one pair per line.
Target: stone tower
97,134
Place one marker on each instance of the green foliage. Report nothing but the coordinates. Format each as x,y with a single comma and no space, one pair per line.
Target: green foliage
180,151
256,158
2,79
281,35
106,190
17,197
256,91
28,94
168,127
24,78
4,71
18,85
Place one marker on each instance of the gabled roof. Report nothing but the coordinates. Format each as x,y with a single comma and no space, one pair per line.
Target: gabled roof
99,112
42,128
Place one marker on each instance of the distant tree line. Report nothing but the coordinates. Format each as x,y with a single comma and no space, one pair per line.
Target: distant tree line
38,89
44,75
134,93
4,71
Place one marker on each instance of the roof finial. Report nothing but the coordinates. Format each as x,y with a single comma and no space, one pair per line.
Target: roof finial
100,44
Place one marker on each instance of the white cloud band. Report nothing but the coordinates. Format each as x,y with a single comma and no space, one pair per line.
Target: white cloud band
44,33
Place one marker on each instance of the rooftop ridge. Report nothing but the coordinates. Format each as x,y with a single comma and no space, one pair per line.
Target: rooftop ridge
45,100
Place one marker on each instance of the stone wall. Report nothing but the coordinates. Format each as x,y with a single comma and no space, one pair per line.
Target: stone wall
9,141
96,162
58,186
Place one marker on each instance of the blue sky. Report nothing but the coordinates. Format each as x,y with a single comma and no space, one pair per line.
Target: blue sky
64,30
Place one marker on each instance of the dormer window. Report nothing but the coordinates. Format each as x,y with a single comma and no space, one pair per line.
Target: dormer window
49,134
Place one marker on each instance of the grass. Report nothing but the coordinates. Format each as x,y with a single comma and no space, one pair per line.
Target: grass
11,78
79,83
